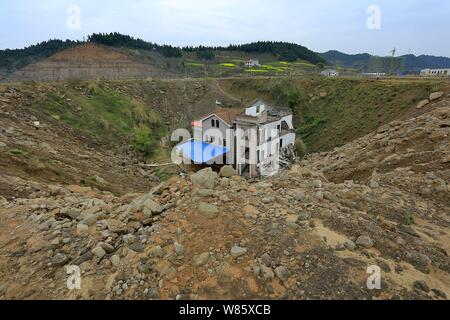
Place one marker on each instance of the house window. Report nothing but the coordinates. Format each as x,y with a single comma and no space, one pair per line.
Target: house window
213,123
259,157
257,109
217,124
281,143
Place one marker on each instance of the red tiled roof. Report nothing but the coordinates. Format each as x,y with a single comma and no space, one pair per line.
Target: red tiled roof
228,115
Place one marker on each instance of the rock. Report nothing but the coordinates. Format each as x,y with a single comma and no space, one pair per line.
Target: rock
3,201
83,258
152,208
227,171
116,226
350,245
365,242
282,273
59,260
439,293
299,195
317,184
237,251
82,230
179,249
422,103
267,273
436,95
418,260
137,247
157,252
89,219
129,238
208,210
205,178
266,259
3,146
115,260
201,259
107,247
98,252
204,193
421,285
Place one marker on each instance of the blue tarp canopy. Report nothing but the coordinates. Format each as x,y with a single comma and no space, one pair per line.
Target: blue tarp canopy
201,152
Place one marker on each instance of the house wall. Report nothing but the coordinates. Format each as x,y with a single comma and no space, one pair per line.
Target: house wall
219,134
254,111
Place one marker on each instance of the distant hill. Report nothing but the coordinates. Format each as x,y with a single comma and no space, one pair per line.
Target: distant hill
201,60
368,63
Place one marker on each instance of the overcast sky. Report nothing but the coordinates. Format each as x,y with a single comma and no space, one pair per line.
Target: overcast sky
419,26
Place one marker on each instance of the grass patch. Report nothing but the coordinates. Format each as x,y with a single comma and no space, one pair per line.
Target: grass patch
228,65
18,152
105,114
256,70
194,64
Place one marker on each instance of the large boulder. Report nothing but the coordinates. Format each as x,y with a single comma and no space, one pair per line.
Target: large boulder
205,178
422,103
227,171
436,95
208,210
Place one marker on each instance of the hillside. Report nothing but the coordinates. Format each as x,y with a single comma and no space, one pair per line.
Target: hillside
406,64
333,112
132,58
308,233
86,61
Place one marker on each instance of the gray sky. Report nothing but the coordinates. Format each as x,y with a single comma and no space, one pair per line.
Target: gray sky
417,25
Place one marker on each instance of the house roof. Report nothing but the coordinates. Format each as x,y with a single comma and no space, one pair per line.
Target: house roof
228,115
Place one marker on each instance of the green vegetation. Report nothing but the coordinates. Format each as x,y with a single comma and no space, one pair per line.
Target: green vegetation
120,40
409,219
19,58
18,152
256,70
107,115
332,112
228,65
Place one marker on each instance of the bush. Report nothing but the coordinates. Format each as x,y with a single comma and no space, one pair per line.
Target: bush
300,148
141,139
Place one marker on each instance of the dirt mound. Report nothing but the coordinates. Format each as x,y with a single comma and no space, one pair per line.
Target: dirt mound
84,62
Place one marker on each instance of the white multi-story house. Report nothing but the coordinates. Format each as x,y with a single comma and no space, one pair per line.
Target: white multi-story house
435,72
251,140
252,63
330,73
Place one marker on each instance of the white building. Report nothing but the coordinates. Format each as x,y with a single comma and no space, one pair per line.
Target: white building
330,73
435,72
252,63
374,74
254,138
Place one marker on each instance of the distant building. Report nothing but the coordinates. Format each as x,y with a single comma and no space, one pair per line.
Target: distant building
374,74
252,63
435,72
252,140
330,73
